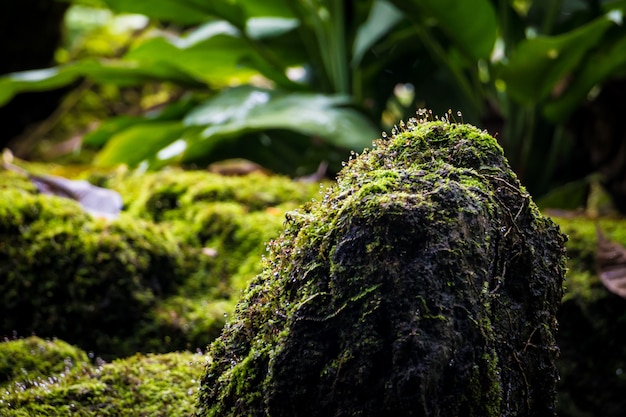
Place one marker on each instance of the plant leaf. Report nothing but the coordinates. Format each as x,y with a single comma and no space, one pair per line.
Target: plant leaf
470,24
143,143
538,64
599,67
212,52
382,18
244,109
98,201
114,125
123,73
182,12
267,27
611,264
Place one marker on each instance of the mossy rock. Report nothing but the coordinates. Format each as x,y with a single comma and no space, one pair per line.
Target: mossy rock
592,328
153,280
142,385
27,361
426,282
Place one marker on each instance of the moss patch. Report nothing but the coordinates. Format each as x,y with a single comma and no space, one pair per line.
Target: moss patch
159,278
150,385
425,282
592,328
25,361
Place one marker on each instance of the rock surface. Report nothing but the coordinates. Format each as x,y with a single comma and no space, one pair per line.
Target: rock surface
425,283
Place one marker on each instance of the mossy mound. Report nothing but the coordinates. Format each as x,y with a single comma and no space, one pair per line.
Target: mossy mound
152,385
592,328
233,216
26,361
426,282
159,278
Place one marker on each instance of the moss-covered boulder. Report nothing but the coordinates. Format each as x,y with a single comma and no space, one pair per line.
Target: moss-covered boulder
592,328
28,361
159,278
425,283
54,385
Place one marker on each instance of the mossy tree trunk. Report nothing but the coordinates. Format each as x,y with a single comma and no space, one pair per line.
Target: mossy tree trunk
424,284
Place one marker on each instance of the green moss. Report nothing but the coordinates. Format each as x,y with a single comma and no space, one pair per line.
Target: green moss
158,278
69,275
25,361
592,328
152,385
425,283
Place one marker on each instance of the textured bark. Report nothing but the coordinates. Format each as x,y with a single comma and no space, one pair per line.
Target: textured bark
425,283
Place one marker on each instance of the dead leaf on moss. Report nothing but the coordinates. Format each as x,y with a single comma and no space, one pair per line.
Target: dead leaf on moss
611,264
98,201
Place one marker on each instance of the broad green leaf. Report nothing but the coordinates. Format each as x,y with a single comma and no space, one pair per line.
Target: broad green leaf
277,8
218,53
115,125
177,11
267,27
211,52
246,109
599,67
123,73
248,8
34,80
470,24
538,64
142,142
109,128
382,18
190,12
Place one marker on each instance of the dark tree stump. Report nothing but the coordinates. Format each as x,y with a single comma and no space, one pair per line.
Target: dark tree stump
424,284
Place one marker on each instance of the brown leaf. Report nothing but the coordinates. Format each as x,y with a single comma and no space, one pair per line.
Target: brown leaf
100,202
611,264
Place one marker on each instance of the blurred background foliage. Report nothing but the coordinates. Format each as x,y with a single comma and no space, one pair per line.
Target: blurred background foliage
291,83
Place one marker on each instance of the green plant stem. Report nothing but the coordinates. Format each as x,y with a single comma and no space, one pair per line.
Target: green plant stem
553,10
327,22
338,42
520,128
438,52
270,58
556,146
310,11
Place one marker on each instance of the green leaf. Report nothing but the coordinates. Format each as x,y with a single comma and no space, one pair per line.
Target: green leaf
246,109
211,52
470,24
248,8
192,12
123,73
109,128
35,80
267,27
599,67
143,143
177,11
115,125
382,18
538,64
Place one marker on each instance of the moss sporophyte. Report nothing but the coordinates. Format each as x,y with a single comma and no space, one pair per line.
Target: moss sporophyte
425,282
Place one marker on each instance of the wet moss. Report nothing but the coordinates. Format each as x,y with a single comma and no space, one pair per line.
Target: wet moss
159,278
425,282
142,385
592,328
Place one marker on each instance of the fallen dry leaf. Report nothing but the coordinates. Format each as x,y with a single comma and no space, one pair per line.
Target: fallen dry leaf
611,264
